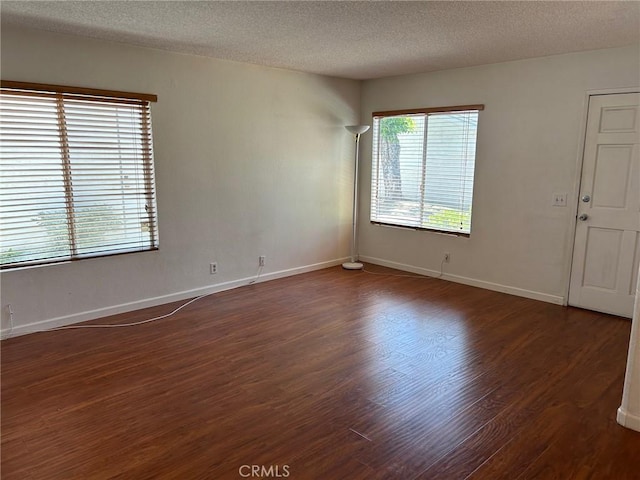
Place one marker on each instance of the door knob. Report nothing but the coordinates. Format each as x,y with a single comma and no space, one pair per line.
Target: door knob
583,217
586,198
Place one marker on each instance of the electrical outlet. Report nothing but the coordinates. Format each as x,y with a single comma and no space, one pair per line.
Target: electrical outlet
213,268
262,260
447,257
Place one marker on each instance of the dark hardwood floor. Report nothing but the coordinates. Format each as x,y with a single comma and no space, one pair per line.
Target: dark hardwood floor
328,375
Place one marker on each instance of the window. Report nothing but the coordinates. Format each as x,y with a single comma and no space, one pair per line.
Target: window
77,174
422,168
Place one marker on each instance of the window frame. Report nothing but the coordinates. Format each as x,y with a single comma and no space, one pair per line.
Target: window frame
61,93
418,111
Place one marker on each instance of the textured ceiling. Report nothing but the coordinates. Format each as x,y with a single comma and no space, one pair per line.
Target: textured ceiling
358,40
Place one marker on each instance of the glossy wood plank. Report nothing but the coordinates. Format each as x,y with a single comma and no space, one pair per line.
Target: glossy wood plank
335,374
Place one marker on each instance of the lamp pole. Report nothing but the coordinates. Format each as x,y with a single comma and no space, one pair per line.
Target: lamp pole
357,130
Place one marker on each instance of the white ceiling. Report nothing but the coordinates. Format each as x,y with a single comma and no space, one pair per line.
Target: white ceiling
359,40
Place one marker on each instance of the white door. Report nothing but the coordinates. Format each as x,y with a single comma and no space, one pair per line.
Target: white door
607,243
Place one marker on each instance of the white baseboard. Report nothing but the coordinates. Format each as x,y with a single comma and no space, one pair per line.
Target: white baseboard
520,292
163,299
628,420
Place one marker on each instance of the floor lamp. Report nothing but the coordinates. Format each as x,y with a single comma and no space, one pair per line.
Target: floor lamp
356,130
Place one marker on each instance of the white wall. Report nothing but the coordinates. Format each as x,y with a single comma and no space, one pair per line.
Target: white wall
629,411
249,161
528,148
253,160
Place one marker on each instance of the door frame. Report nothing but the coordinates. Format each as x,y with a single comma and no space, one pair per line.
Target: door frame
573,203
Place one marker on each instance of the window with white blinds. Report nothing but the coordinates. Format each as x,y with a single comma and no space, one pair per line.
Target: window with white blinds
423,168
77,176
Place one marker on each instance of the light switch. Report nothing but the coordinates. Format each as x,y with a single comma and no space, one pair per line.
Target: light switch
559,200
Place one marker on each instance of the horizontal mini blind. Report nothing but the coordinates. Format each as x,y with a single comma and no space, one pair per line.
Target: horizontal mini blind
77,176
423,169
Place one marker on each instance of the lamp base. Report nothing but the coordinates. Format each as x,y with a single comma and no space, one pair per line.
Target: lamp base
352,266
